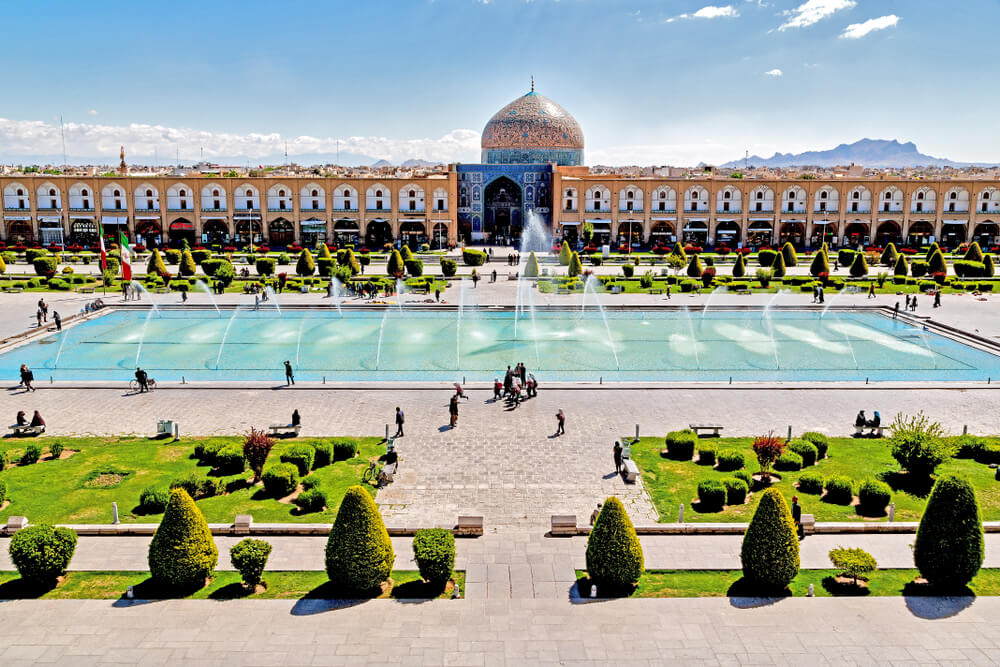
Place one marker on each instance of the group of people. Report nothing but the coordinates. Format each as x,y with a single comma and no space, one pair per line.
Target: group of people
819,294
863,422
130,292
36,419
515,381
27,377
91,306
513,259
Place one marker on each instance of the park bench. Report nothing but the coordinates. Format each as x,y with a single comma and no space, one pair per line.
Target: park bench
284,429
630,470
85,290
743,291
469,526
808,522
563,524
656,291
563,290
874,431
716,431
420,289
13,290
162,290
26,429
617,289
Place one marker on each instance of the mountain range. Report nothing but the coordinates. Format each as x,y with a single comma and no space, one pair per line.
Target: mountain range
875,153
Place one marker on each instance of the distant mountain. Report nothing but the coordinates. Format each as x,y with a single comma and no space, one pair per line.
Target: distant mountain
875,153
407,163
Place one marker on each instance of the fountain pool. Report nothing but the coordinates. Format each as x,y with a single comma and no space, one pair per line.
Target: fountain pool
566,345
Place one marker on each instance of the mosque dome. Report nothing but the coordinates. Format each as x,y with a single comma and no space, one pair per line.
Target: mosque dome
532,129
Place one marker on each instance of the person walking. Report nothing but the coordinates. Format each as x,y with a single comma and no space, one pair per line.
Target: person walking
38,316
871,290
895,310
399,422
143,379
618,457
27,377
57,320
184,296
493,276
453,411
437,294
497,389
529,386
822,294
523,372
913,303
289,376
475,279
937,298
508,381
560,423
907,306
45,310
797,516
815,293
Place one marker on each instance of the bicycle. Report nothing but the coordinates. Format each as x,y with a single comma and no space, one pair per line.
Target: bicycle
374,472
133,385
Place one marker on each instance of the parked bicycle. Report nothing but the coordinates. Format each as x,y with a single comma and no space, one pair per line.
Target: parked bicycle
133,385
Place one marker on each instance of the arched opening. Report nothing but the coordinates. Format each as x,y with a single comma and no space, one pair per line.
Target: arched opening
312,232
986,234
727,234
856,234
181,230
661,234
502,200
377,234
281,233
630,234
824,231
19,233
248,231
83,233
346,232
919,233
439,236
953,234
216,232
759,233
696,233
792,232
888,232
412,234
148,233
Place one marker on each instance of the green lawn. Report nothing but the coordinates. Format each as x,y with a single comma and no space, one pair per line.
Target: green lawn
63,491
670,483
111,585
722,583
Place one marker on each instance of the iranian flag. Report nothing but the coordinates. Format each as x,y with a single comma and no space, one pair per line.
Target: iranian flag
104,254
126,257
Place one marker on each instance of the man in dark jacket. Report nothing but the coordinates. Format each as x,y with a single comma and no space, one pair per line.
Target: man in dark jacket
618,456
399,421
797,516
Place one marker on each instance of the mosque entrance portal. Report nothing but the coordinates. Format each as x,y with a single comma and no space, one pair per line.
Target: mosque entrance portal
503,209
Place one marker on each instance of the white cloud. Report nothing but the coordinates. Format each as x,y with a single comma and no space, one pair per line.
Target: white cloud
709,12
859,30
92,112
813,11
774,73
27,137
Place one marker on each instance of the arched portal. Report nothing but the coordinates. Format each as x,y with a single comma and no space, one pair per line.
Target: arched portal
216,232
181,230
378,233
502,200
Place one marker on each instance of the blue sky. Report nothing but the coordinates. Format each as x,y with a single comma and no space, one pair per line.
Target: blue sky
651,82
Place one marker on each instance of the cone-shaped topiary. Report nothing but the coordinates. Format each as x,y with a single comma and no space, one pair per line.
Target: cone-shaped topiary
3,266
889,255
949,547
988,269
395,266
359,554
936,263
740,267
778,269
323,252
770,551
155,266
565,254
930,251
353,263
902,267
788,252
575,266
187,266
678,251
820,264
406,253
974,253
694,267
824,248
531,268
182,553
614,554
859,267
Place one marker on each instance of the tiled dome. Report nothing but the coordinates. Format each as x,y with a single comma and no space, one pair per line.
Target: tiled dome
530,122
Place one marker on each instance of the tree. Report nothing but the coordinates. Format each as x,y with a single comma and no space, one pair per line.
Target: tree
352,262
323,252
930,251
3,266
155,266
853,562
395,266
949,548
565,254
531,268
988,269
974,253
678,252
767,448
359,554
614,554
889,255
434,551
588,232
187,266
575,266
740,267
257,446
407,254
778,269
182,553
936,263
859,267
918,444
788,253
305,266
820,264
770,549
902,267
694,267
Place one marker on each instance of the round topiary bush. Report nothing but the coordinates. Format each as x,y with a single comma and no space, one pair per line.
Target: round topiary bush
745,476
839,490
280,479
301,456
182,553
359,554
344,449
434,551
788,461
680,444
42,553
249,557
873,496
153,501
706,455
711,495
324,454
806,450
811,482
229,460
820,441
736,491
310,500
207,451
949,548
770,550
730,459
614,554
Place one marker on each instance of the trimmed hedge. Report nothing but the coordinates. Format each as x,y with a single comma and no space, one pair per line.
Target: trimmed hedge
301,456
280,479
811,482
706,455
681,444
31,454
820,441
874,496
310,500
344,449
730,459
839,490
614,554
229,460
949,548
736,491
324,454
434,551
359,554
42,553
770,549
153,501
788,461
473,257
806,450
449,267
182,553
711,495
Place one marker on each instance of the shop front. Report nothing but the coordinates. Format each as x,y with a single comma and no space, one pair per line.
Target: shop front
727,233
215,232
83,232
954,233
412,233
50,231
312,232
759,233
19,230
248,230
148,231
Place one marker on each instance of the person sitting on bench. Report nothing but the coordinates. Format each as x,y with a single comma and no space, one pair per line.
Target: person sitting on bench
861,421
296,419
37,421
875,422
21,419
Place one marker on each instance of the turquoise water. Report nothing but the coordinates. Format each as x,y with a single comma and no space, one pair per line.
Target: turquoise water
559,345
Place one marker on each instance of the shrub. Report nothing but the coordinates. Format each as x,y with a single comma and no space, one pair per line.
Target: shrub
395,266
310,500
788,254
3,490
249,557
853,562
918,444
473,257
229,460
874,496
45,266
305,266
344,449
694,267
988,271
730,459
740,267
280,479
449,267
889,255
788,461
839,490
936,263
200,255
225,274
434,552
820,441
596,259
628,270
324,454
575,267
153,501
767,449
265,266
745,476
811,482
918,268
414,267
766,258
206,452
257,446
820,264
859,267
974,253
949,547
901,268
31,454
614,554
711,495
706,455
182,553
770,550
359,554
42,553
969,447
301,456
173,255
324,266
845,257
646,280
187,265
736,491
31,254
680,444
806,450
969,269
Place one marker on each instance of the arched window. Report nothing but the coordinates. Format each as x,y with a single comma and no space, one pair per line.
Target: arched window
182,193
824,194
215,193
920,195
84,192
986,195
630,195
378,193
727,194
52,193
412,193
281,193
20,192
953,195
857,195
347,193
315,193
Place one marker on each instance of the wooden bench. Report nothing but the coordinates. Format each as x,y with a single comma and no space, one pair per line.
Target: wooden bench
656,291
13,290
563,290
281,429
26,429
85,290
630,470
563,524
874,431
162,290
743,291
716,431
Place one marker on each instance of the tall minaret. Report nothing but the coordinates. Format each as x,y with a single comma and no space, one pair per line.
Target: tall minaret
123,168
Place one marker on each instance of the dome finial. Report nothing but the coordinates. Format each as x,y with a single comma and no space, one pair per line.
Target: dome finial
532,83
